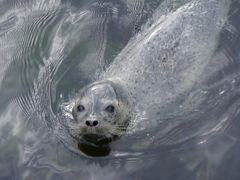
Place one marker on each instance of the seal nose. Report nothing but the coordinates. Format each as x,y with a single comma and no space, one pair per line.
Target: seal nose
91,123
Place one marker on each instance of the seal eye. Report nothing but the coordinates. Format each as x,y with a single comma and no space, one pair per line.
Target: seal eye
110,109
80,108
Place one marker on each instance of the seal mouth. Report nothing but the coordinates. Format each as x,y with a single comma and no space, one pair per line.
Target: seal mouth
94,151
95,145
97,139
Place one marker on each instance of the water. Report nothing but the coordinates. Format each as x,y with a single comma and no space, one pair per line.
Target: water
51,49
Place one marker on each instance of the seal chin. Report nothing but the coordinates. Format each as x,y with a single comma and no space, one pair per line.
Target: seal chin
95,145
94,151
97,139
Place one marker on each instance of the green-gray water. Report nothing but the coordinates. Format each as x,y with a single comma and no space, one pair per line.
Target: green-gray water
50,49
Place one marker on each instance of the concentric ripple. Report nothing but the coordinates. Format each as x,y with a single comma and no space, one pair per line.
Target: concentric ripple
50,49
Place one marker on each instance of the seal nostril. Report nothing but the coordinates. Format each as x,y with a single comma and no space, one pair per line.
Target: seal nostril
91,123
95,123
88,123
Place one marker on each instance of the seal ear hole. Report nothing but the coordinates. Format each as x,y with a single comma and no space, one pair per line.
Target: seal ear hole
80,108
110,109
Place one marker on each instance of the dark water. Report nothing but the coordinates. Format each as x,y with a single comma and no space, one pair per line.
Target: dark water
51,49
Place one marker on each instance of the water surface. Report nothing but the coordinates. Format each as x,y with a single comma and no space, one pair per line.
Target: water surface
51,49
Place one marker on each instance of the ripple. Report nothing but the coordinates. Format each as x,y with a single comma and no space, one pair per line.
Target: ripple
50,49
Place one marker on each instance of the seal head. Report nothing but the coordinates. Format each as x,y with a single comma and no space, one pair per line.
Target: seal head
101,113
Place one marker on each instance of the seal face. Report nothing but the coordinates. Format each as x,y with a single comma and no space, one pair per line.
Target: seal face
101,113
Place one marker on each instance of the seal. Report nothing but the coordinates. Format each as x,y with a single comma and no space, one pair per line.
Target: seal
155,71
102,112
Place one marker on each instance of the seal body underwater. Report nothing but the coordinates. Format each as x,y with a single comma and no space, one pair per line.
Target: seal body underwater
157,68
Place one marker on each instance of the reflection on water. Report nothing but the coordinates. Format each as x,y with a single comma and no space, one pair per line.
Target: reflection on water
51,49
